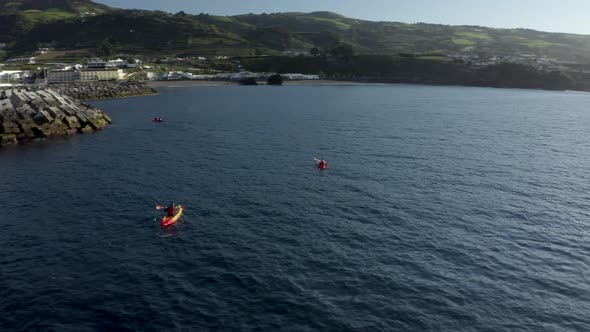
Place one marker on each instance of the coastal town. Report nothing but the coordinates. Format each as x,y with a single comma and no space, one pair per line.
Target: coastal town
30,70
117,69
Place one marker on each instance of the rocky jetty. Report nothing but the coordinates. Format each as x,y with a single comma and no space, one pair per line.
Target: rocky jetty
103,90
32,114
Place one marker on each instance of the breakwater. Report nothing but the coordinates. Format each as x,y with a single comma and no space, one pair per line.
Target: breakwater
103,90
37,113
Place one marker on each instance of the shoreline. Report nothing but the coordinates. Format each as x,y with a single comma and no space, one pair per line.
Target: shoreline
178,84
181,84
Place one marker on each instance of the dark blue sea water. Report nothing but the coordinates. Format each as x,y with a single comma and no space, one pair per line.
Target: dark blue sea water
442,209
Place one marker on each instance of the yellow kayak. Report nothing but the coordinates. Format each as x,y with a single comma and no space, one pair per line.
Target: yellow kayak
167,221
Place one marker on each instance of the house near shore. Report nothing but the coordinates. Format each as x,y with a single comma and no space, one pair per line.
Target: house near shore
63,76
179,75
246,75
300,77
13,75
151,76
118,63
96,74
84,75
96,63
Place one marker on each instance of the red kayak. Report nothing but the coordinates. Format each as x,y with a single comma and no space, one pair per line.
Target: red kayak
167,221
320,164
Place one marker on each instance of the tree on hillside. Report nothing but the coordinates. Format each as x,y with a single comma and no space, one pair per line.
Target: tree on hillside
275,79
104,48
344,51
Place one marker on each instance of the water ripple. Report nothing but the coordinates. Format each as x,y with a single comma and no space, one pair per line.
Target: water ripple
443,209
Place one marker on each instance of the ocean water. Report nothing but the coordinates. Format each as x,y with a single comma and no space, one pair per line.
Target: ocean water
442,209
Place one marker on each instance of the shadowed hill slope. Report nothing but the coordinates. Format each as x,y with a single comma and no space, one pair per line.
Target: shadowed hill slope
76,24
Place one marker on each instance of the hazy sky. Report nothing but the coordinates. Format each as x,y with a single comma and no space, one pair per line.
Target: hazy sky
547,15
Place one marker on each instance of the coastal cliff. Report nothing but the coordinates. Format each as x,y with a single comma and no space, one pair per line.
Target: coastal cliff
32,115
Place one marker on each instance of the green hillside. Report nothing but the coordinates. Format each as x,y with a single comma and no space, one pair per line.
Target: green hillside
69,6
19,17
83,24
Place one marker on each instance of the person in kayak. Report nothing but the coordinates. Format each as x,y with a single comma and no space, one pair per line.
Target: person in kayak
170,210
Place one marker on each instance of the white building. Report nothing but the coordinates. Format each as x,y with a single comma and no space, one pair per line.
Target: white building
243,75
151,76
95,63
13,75
63,76
180,75
119,63
300,77
88,75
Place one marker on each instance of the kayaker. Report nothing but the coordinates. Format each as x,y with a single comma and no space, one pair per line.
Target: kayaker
170,210
322,163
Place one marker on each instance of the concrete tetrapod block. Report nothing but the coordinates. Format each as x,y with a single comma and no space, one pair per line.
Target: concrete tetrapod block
5,105
10,128
26,111
87,130
55,112
30,131
73,122
8,139
18,98
42,117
